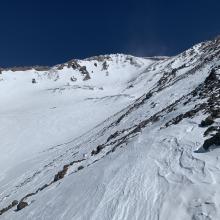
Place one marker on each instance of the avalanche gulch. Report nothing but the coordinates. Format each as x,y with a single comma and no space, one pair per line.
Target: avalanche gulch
112,137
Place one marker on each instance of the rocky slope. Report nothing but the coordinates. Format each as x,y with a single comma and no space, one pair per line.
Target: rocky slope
113,137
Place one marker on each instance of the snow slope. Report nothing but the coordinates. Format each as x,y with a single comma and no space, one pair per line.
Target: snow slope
123,139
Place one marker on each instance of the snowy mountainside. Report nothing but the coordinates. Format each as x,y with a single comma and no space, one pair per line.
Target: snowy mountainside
133,139
68,107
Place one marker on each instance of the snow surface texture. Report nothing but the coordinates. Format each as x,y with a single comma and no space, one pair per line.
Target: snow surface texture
113,137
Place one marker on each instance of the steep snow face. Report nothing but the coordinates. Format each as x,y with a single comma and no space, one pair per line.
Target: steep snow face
60,105
125,138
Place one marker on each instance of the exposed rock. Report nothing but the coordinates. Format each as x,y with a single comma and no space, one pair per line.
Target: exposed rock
75,64
43,187
28,195
5,209
80,167
212,76
105,65
73,79
14,203
215,140
130,86
87,77
83,69
215,113
98,149
132,61
60,67
61,173
211,129
76,161
112,136
208,121
34,81
188,114
21,205
42,68
100,58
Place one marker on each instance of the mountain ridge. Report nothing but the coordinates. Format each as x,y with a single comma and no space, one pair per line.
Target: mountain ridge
152,155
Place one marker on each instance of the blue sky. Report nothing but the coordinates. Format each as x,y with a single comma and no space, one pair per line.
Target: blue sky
50,32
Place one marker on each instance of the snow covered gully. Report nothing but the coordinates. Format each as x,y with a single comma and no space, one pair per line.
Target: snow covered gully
112,137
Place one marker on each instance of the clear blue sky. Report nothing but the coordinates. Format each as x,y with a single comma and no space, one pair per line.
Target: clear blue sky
48,32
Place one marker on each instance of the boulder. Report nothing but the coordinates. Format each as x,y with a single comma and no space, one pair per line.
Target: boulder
21,205
80,167
14,203
34,81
